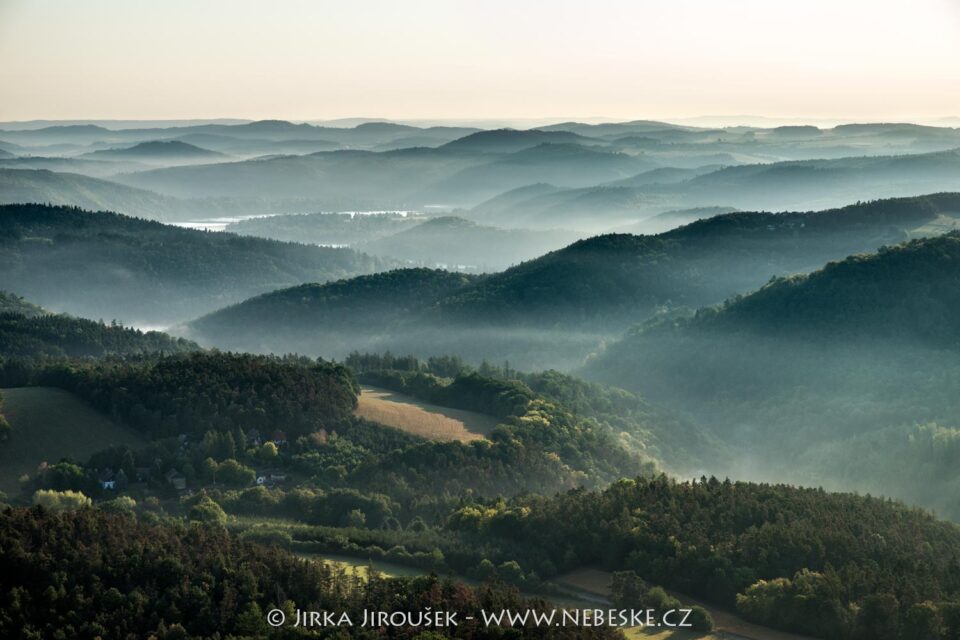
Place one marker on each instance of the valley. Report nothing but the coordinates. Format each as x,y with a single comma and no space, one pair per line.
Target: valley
637,364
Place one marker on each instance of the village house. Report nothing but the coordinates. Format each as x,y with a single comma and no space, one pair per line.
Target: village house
270,477
107,479
176,479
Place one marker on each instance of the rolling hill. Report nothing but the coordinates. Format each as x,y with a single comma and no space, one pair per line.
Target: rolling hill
12,303
108,265
561,164
512,140
49,424
588,209
29,333
328,318
383,166
825,183
455,243
26,185
668,220
326,228
553,310
159,152
844,377
618,279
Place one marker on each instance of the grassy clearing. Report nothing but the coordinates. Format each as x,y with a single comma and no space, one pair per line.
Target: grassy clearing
50,424
422,418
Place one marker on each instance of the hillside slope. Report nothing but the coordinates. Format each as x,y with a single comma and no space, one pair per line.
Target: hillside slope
328,318
49,424
845,377
456,243
108,265
39,185
619,279
552,311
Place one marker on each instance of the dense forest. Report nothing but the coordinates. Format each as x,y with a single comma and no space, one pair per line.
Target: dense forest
604,311
199,392
346,311
92,574
57,336
587,447
12,303
830,565
99,264
551,312
852,369
619,278
212,398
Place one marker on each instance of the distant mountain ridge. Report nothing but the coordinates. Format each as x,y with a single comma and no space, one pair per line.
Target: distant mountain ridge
158,149
606,175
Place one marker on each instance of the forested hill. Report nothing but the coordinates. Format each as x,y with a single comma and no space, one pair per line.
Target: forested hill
560,306
96,556
834,566
846,377
819,332
63,336
618,279
106,265
906,292
198,392
41,185
329,313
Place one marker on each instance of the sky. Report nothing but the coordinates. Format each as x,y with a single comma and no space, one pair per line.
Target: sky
877,60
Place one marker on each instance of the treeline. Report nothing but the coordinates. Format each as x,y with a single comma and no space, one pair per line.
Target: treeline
199,392
528,421
106,264
905,292
823,378
835,566
378,300
50,337
637,425
216,418
86,573
614,280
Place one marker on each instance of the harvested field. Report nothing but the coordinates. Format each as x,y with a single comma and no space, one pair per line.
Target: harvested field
423,419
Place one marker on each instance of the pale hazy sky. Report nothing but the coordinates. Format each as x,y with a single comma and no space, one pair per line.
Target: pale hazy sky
316,59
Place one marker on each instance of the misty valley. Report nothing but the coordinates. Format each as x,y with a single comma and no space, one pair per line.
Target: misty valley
258,366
